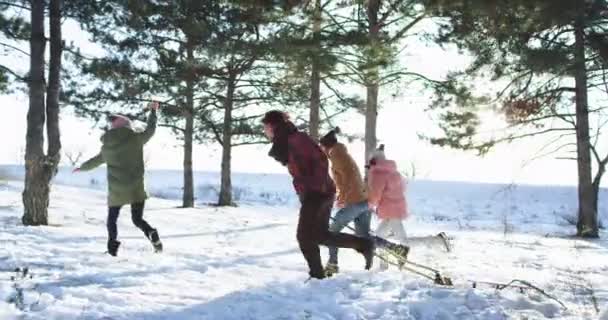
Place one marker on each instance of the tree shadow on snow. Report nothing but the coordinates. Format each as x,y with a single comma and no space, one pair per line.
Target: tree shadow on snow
276,300
175,236
112,280
253,259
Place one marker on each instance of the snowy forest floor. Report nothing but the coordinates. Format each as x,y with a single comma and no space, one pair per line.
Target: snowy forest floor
244,263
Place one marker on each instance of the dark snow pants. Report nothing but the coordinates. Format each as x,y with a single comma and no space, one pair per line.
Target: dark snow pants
313,230
137,213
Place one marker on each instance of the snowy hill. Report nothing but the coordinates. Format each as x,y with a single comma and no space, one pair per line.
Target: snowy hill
244,263
471,205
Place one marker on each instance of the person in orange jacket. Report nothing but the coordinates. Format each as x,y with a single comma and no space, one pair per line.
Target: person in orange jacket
351,199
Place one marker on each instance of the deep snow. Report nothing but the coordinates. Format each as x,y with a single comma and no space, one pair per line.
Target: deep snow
244,263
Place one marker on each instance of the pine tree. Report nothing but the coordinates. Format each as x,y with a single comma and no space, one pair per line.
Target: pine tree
318,33
153,49
41,167
14,30
549,52
197,56
242,49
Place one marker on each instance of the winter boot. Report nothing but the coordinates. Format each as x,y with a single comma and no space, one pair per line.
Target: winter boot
383,257
368,253
153,237
446,241
113,247
316,275
331,269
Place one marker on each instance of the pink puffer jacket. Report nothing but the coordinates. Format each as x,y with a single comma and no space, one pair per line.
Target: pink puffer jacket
386,190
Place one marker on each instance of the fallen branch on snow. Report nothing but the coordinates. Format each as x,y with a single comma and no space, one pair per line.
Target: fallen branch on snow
522,286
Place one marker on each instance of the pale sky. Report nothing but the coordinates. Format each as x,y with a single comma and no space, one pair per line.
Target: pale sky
401,119
398,125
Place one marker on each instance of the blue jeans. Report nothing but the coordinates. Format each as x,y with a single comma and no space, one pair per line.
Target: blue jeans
360,214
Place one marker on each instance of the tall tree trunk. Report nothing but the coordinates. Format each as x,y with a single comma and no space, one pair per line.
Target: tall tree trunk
188,195
587,225
315,78
225,198
54,85
371,81
40,169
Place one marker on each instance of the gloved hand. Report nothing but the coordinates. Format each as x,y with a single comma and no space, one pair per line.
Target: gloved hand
372,207
340,204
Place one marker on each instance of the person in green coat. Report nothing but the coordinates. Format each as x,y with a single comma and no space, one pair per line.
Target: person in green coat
122,152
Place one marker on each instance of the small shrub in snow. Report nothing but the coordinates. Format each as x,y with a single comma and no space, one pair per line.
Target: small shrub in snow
207,192
165,193
239,193
507,227
17,297
439,217
566,219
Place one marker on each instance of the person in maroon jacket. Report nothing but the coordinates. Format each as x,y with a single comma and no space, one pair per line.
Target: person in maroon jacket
309,168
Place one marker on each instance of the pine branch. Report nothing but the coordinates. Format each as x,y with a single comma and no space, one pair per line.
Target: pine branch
601,166
541,291
246,143
389,12
532,134
405,29
554,151
174,127
6,45
553,40
216,132
335,21
16,75
396,20
335,92
513,81
14,5
412,74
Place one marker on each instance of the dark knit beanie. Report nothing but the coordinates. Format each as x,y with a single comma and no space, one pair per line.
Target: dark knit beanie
274,117
329,140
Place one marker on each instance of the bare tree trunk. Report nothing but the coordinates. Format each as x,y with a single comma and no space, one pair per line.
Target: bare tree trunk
54,85
225,198
587,225
371,82
40,169
315,78
188,195
596,183
371,116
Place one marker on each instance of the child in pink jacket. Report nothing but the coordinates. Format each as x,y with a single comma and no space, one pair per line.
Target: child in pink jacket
386,193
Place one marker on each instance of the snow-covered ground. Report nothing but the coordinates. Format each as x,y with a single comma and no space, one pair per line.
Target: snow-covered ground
244,263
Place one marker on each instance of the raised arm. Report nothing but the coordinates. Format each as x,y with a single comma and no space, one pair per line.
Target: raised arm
147,134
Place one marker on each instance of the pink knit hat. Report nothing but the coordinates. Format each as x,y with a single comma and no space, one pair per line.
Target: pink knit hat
119,121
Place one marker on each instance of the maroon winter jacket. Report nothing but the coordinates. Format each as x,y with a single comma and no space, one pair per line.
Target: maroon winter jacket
308,166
